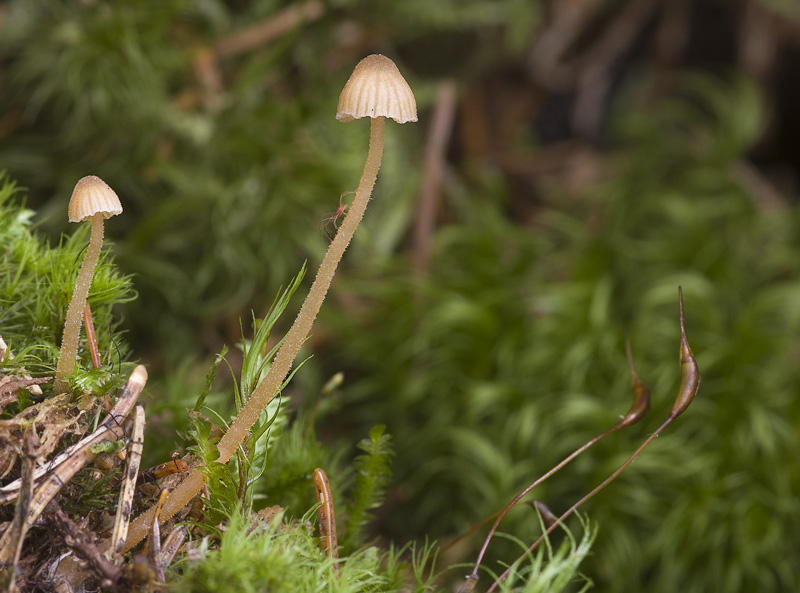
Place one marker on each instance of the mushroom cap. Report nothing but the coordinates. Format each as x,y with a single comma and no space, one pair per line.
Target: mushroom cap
376,88
92,196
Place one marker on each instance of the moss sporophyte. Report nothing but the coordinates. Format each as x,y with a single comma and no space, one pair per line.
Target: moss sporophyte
689,384
377,90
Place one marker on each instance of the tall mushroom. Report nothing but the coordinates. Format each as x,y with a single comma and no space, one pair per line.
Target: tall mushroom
91,199
376,89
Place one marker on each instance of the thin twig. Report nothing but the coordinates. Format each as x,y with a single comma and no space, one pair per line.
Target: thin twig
267,30
91,336
109,429
690,382
9,387
125,505
639,407
762,193
435,153
154,539
110,576
172,544
594,80
11,542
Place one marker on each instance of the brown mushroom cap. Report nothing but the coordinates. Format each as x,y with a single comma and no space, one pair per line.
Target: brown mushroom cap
376,88
92,196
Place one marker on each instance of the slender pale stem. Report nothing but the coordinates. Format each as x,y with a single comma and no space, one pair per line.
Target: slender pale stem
640,406
288,351
530,487
575,507
299,331
72,324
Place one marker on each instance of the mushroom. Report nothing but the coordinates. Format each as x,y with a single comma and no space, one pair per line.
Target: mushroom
91,199
376,89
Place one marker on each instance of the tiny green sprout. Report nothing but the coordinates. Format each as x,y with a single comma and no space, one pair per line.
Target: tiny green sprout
107,447
690,382
92,199
377,90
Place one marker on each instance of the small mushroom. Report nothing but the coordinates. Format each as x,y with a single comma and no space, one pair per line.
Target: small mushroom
91,199
376,89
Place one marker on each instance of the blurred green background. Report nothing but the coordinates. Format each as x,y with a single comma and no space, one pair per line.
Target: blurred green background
574,163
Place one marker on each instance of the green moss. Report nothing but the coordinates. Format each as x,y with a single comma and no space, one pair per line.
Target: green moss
280,556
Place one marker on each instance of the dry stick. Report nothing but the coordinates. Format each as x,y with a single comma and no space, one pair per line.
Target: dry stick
125,505
640,406
282,364
594,80
172,544
9,391
108,428
690,381
764,195
262,33
154,539
11,542
9,387
111,429
91,336
206,61
83,547
441,130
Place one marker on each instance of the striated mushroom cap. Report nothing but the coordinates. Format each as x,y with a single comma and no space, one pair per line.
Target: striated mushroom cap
92,196
376,88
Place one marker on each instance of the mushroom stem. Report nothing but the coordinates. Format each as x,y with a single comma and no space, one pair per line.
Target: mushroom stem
72,325
282,364
271,383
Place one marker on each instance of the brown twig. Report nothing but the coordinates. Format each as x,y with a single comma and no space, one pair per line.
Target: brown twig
11,542
206,60
672,35
435,152
764,195
171,545
73,458
759,40
34,385
267,30
125,505
594,80
110,576
9,388
549,60
154,539
91,336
